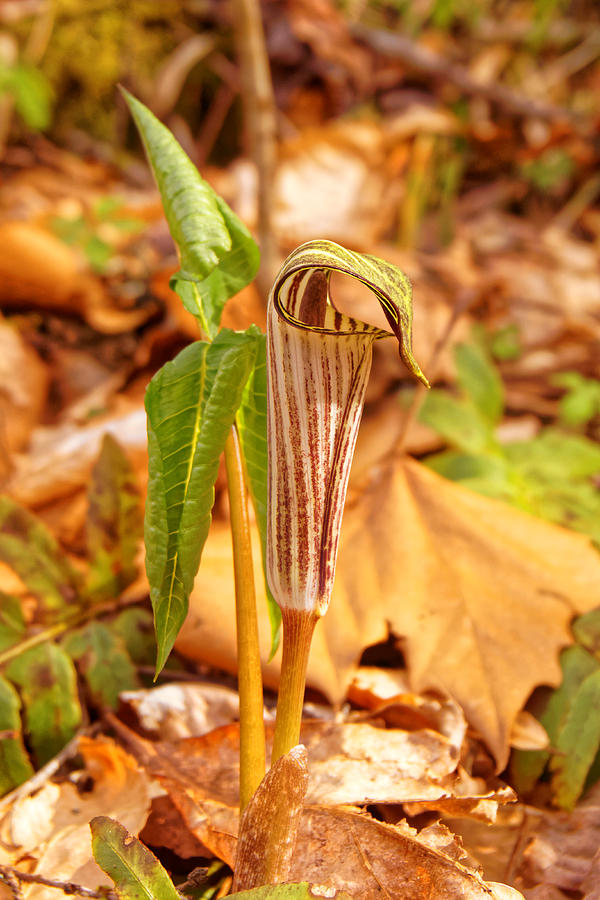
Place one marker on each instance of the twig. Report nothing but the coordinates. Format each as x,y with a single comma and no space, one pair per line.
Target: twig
46,772
261,124
11,882
398,46
9,874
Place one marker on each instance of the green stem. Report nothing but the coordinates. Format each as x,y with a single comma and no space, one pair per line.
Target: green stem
252,728
298,627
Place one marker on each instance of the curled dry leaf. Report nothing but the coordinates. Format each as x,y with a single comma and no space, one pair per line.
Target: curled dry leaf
563,849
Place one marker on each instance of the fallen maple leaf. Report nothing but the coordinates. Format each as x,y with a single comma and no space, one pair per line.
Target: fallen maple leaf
482,594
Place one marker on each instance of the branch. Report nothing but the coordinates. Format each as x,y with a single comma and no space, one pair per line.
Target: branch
398,46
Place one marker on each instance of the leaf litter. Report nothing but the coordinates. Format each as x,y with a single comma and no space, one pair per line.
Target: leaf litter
544,279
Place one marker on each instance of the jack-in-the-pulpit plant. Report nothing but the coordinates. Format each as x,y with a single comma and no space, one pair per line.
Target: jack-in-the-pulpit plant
215,398
318,364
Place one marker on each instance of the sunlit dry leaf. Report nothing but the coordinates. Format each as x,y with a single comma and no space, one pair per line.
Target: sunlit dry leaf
174,711
564,846
377,861
50,827
24,380
482,593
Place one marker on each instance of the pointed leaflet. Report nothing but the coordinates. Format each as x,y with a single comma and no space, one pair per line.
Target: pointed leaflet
103,661
48,684
191,404
217,253
114,523
12,620
27,546
252,426
318,364
136,872
15,767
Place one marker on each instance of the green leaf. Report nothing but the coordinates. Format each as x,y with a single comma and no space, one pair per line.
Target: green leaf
217,253
136,872
586,631
32,94
527,766
458,422
103,662
15,767
577,744
480,380
28,547
12,620
136,628
252,427
191,404
114,523
301,891
48,683
582,400
488,475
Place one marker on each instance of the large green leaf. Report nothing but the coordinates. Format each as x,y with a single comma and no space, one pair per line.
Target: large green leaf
252,427
218,255
48,684
136,872
15,767
103,661
28,547
114,523
191,404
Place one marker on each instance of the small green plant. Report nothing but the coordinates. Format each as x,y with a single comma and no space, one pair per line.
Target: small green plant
552,475
71,638
571,717
95,231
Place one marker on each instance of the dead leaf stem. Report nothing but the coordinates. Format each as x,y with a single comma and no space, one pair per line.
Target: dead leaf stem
398,46
252,729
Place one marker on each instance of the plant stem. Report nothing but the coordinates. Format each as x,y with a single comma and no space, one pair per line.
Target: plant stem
298,627
260,124
252,728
